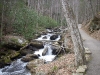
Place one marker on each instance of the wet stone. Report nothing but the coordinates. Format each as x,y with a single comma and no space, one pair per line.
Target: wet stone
45,51
53,37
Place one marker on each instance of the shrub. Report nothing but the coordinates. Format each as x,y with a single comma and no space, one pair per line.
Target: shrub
26,21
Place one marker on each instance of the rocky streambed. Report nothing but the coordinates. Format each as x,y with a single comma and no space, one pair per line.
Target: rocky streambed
42,50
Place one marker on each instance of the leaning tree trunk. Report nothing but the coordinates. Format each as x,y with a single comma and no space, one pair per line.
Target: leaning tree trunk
75,34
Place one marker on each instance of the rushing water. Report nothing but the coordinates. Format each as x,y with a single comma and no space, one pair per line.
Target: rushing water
19,68
49,56
16,68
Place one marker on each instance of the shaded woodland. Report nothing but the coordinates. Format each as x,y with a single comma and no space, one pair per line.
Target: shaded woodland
30,19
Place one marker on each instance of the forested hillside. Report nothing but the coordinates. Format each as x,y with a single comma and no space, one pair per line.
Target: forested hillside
49,37
84,10
18,17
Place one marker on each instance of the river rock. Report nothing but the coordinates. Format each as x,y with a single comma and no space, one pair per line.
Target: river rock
55,43
45,51
55,50
29,57
34,63
13,42
37,44
6,57
37,35
43,32
44,37
23,52
53,37
56,29
30,47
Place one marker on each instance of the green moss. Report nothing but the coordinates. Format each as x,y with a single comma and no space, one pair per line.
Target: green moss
5,59
27,21
8,55
14,54
14,40
55,68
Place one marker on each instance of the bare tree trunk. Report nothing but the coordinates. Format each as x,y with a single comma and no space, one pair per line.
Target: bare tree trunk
1,29
28,3
75,34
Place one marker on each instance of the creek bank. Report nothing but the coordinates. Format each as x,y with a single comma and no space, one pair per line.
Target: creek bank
7,56
10,49
62,66
42,48
93,27
51,46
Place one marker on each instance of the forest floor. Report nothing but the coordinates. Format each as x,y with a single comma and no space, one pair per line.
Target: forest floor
62,66
95,34
94,46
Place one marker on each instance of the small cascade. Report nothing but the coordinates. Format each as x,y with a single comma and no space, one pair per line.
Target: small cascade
19,68
42,37
49,50
49,56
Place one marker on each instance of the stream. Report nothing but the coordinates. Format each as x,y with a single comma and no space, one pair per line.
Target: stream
19,68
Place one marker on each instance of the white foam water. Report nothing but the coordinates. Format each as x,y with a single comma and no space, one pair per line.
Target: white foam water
19,68
49,56
16,68
57,39
48,30
47,37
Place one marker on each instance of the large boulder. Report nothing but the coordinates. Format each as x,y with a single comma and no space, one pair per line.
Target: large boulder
6,57
35,63
29,57
24,52
53,37
37,44
13,42
55,50
31,47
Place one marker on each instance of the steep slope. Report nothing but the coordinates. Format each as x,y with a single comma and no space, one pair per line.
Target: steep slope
93,27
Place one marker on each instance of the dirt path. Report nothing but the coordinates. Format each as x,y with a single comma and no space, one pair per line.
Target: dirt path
94,46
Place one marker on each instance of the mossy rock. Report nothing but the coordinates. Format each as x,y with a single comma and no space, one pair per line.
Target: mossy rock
5,59
7,56
14,54
13,42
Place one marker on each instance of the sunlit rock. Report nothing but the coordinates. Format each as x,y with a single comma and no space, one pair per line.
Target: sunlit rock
45,51
13,42
26,51
37,44
29,57
35,63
